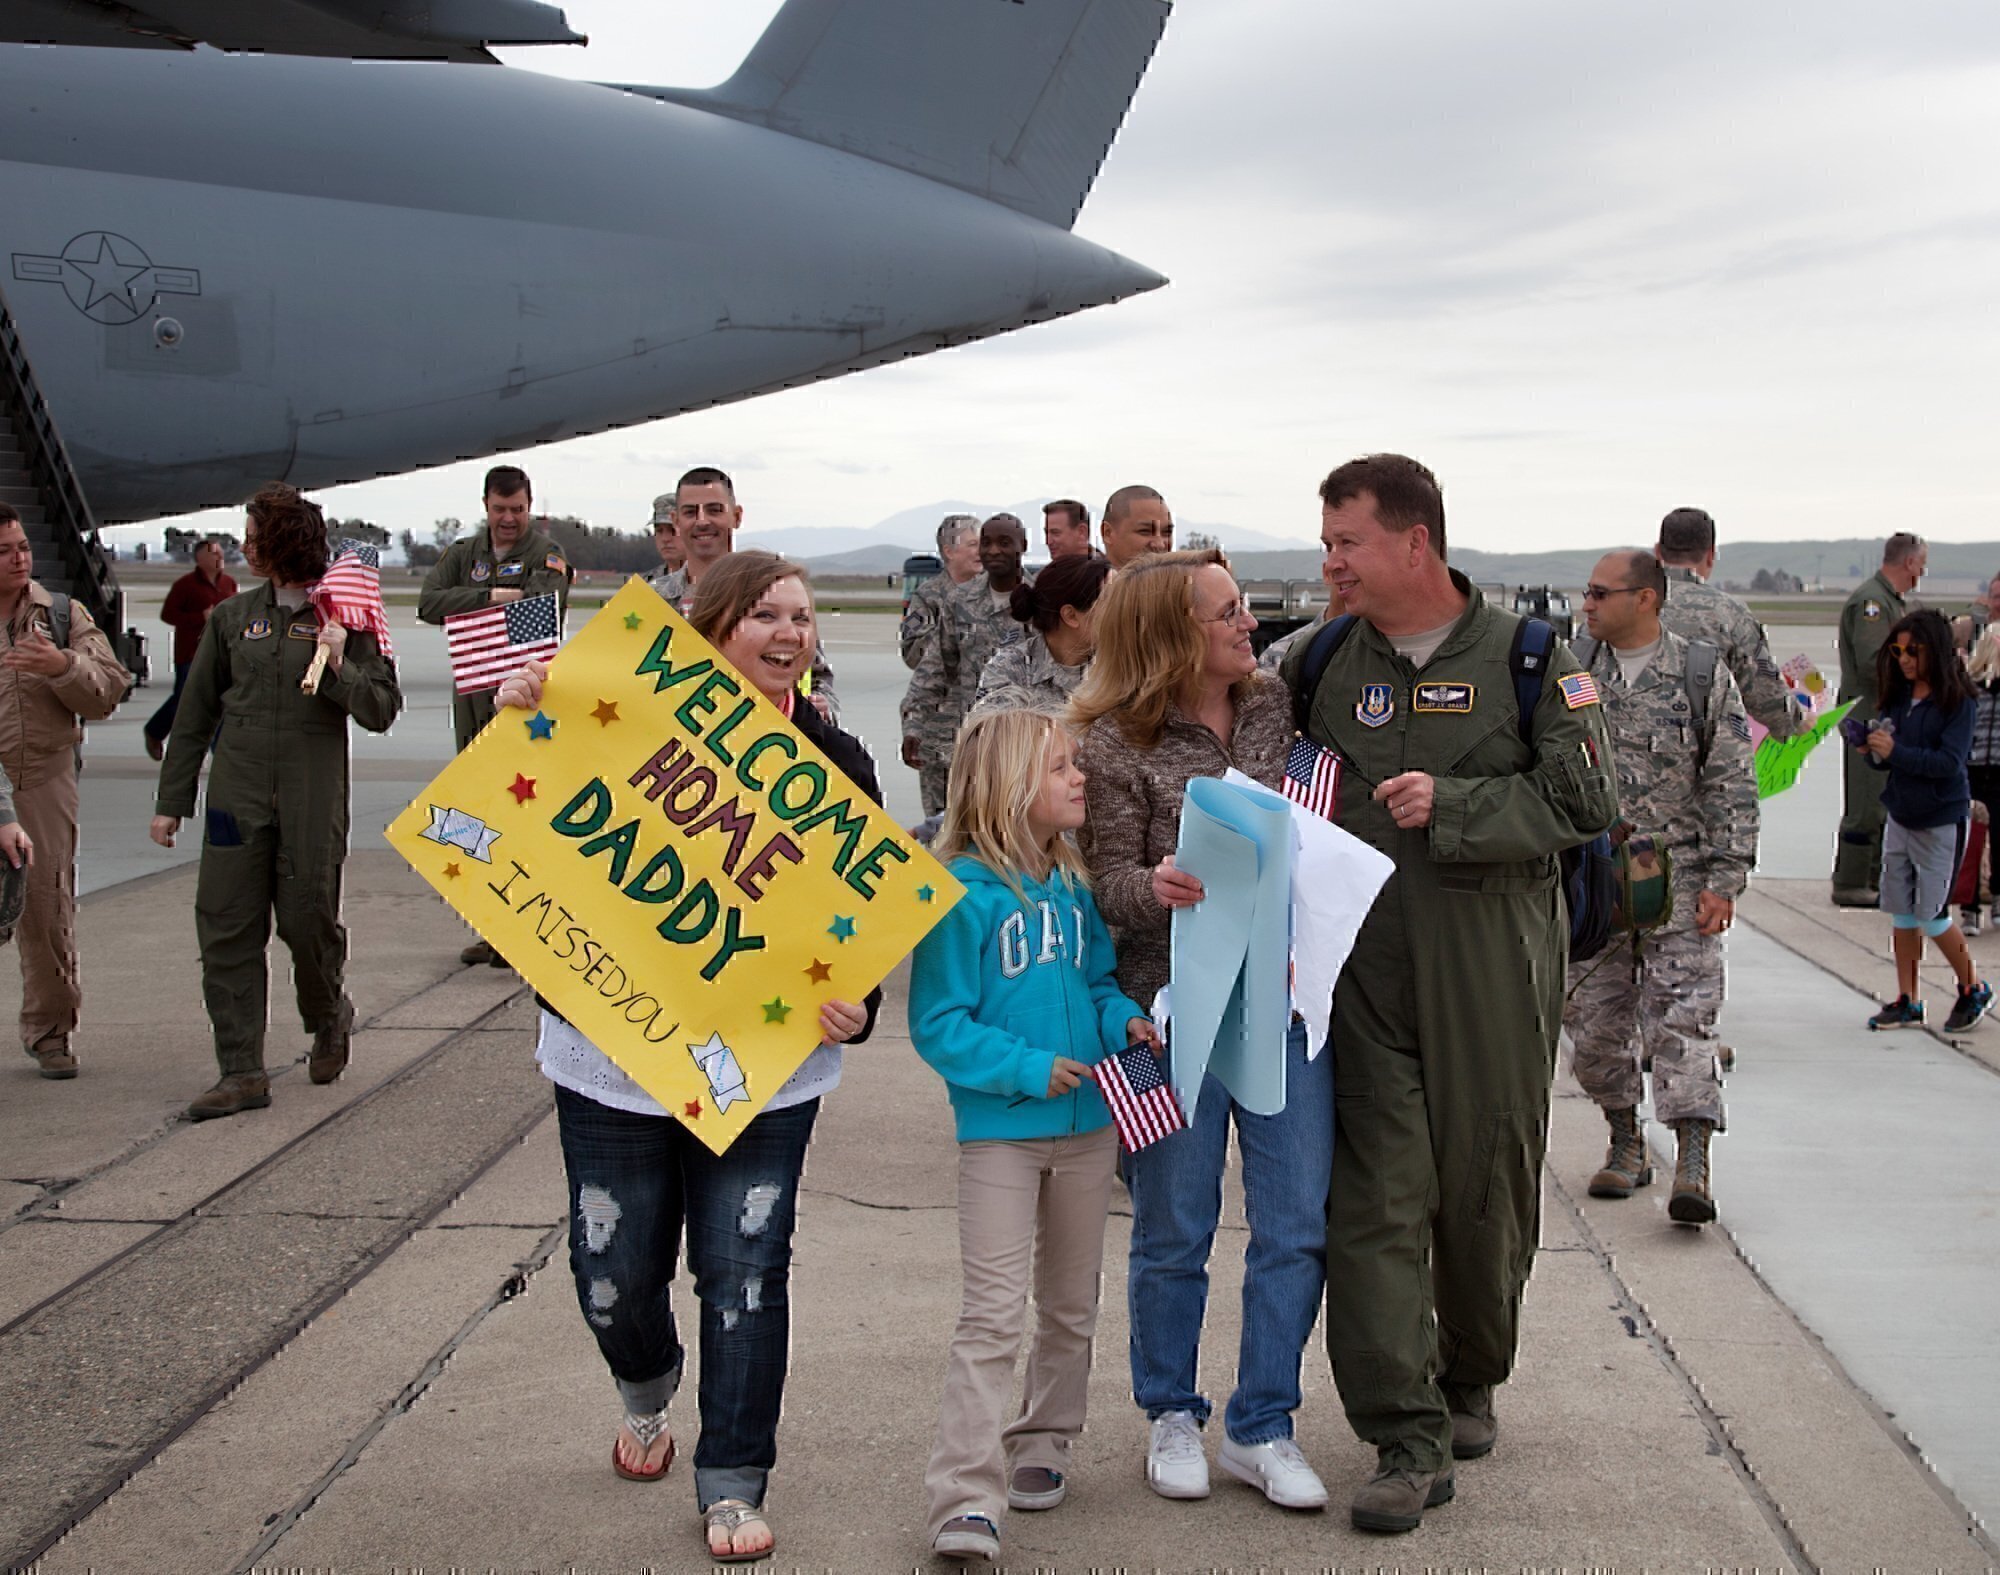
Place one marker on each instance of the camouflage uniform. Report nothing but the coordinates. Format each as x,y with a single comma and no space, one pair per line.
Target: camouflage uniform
1696,610
674,586
1864,625
971,626
920,622
1273,659
1026,676
1699,803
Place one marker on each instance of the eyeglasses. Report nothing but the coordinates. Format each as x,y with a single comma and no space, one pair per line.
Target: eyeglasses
1233,613
1598,593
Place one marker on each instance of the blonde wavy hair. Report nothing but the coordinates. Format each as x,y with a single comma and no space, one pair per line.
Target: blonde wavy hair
997,767
1150,647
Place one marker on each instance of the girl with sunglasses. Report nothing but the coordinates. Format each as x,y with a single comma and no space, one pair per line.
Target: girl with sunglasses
1922,739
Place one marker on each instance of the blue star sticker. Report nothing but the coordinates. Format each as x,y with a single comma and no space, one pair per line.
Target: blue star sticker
842,929
924,894
540,726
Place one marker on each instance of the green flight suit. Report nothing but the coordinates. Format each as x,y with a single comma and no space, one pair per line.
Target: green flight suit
275,834
1445,1018
464,579
1864,627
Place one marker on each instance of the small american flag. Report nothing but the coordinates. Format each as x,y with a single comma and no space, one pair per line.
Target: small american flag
350,592
1312,777
1143,1107
1578,690
489,644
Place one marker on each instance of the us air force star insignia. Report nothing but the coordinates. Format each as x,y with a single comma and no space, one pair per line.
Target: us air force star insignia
1442,697
257,629
108,278
480,571
1871,610
1375,705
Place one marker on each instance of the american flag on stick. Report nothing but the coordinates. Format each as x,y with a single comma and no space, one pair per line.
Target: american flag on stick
1312,777
350,592
1142,1102
490,643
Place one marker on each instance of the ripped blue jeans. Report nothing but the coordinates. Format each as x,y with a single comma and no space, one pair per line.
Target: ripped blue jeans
636,1184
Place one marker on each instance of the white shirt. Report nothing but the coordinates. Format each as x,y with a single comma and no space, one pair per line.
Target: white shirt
569,1059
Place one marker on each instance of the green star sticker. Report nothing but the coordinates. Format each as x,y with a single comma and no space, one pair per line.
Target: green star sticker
776,1011
842,929
925,893
632,620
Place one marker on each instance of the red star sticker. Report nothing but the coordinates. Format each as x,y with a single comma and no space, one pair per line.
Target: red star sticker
819,972
606,712
451,872
693,1108
523,788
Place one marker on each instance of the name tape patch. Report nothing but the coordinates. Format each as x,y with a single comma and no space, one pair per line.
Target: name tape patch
1442,697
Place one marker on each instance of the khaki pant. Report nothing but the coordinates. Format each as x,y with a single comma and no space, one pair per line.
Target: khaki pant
51,988
1036,1205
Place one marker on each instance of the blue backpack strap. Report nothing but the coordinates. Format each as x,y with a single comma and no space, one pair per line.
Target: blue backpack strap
1319,652
1528,661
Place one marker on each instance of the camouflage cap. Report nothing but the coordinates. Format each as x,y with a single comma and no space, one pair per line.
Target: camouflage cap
663,509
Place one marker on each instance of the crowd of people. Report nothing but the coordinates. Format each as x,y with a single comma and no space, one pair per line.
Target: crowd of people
1056,721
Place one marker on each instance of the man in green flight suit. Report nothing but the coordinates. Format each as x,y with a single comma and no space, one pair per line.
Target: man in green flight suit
505,560
1446,1016
1875,605
275,834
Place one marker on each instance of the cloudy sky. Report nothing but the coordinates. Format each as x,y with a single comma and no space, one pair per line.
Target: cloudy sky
1587,261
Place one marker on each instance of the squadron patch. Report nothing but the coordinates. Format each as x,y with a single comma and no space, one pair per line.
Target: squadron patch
1871,610
257,629
1376,705
480,571
1442,697
1578,690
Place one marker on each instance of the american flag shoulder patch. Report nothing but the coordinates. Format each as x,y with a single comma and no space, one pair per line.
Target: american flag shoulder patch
1578,690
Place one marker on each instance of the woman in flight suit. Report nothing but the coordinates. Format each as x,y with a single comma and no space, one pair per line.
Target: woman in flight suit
276,831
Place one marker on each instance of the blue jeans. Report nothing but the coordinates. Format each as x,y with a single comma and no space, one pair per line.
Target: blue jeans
634,1182
1176,1187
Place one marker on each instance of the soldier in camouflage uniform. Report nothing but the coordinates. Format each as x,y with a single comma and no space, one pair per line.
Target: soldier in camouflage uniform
1698,611
975,621
958,551
1864,624
1059,610
1680,741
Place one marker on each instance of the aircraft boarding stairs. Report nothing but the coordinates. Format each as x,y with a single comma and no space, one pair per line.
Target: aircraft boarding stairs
35,476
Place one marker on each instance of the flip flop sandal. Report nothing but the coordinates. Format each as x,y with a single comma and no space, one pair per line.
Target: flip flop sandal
647,1432
731,1515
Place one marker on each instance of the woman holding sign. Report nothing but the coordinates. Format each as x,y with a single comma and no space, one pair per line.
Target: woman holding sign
639,1180
274,836
1174,694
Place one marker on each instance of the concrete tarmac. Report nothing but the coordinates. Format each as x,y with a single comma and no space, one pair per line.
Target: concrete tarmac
340,1333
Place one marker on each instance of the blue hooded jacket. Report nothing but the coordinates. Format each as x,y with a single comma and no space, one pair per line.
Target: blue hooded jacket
1000,988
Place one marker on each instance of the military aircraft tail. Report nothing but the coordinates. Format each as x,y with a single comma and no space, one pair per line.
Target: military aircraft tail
1014,100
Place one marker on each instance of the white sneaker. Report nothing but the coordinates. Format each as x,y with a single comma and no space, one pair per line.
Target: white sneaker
1278,1468
1175,1465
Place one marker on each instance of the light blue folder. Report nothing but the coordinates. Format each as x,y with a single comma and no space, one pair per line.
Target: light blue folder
1231,983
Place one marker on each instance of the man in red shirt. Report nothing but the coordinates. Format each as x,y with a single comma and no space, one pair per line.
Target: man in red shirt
186,610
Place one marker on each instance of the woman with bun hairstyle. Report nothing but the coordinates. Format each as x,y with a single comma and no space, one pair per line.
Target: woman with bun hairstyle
1060,609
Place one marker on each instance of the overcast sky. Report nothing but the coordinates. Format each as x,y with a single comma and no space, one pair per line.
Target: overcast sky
1587,261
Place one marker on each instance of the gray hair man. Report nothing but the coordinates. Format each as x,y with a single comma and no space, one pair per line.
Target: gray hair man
958,551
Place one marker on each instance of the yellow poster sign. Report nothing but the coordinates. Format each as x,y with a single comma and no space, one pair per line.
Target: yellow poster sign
672,865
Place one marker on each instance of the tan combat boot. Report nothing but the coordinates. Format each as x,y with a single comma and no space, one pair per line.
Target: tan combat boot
1626,1167
237,1091
1691,1203
1474,1428
1395,1498
329,1049
54,1058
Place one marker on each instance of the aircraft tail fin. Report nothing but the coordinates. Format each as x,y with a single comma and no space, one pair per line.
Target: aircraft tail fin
1016,101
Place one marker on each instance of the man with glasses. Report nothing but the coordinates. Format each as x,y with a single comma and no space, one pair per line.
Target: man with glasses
975,620
1445,1017
1687,801
1864,624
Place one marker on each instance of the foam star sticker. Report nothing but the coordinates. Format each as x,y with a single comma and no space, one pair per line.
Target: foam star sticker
451,872
775,1010
606,712
842,929
819,972
925,893
540,726
523,788
631,620
692,1109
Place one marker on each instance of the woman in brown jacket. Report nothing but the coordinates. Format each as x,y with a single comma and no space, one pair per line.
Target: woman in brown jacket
1174,693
